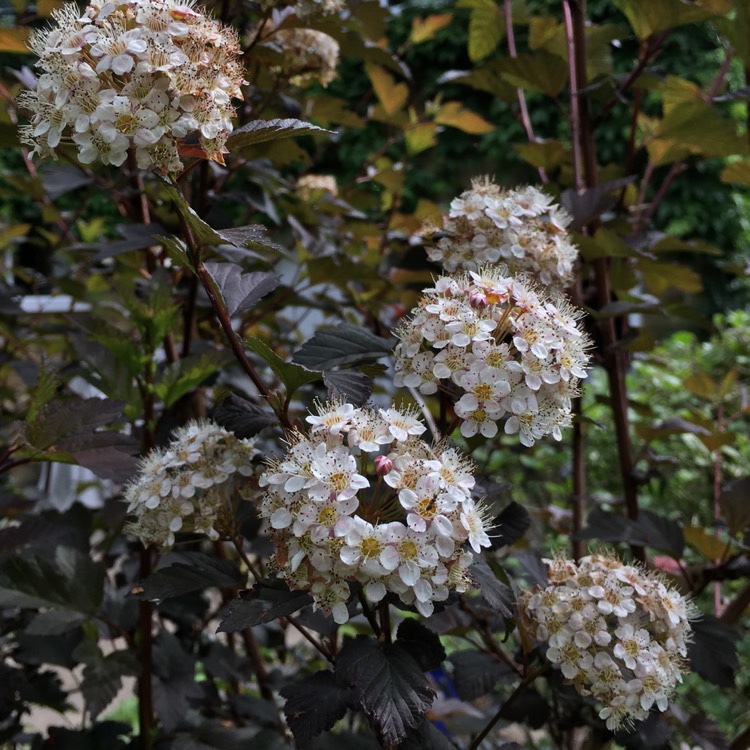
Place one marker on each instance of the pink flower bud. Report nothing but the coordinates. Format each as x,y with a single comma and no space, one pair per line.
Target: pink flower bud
477,298
383,465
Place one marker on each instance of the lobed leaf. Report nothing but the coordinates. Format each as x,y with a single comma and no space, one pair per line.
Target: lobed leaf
183,572
498,595
510,525
344,344
476,673
422,643
314,705
241,291
261,131
351,385
734,504
267,600
388,683
293,376
242,417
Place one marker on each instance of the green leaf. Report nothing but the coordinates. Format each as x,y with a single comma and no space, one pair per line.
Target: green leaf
344,344
293,376
392,95
647,18
184,572
260,131
547,155
314,705
388,683
541,71
486,28
186,374
43,392
694,127
241,291
267,600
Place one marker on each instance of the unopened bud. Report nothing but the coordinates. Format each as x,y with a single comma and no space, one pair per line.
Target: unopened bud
383,465
477,298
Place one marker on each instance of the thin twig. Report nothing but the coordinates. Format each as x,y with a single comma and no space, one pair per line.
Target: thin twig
527,680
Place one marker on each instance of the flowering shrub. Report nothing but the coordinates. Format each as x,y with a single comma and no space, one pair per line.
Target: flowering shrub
155,76
514,353
349,586
520,228
192,485
308,56
363,498
616,631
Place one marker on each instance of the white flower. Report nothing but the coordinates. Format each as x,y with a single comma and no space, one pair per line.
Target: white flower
192,485
517,356
341,511
521,228
129,76
609,631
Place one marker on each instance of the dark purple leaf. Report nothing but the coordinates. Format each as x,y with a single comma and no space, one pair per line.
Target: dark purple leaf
350,385
174,685
107,463
73,424
58,179
102,676
242,417
426,737
510,525
241,291
260,131
497,594
388,683
314,705
712,653
735,504
264,602
250,236
184,572
344,344
475,673
422,643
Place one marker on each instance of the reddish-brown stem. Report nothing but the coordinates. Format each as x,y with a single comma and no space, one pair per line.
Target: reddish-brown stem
579,479
524,110
527,680
584,151
221,313
717,505
145,647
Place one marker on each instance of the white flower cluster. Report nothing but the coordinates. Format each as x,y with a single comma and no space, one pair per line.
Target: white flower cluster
616,631
156,76
191,485
362,498
523,229
308,56
514,353
306,9
311,187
